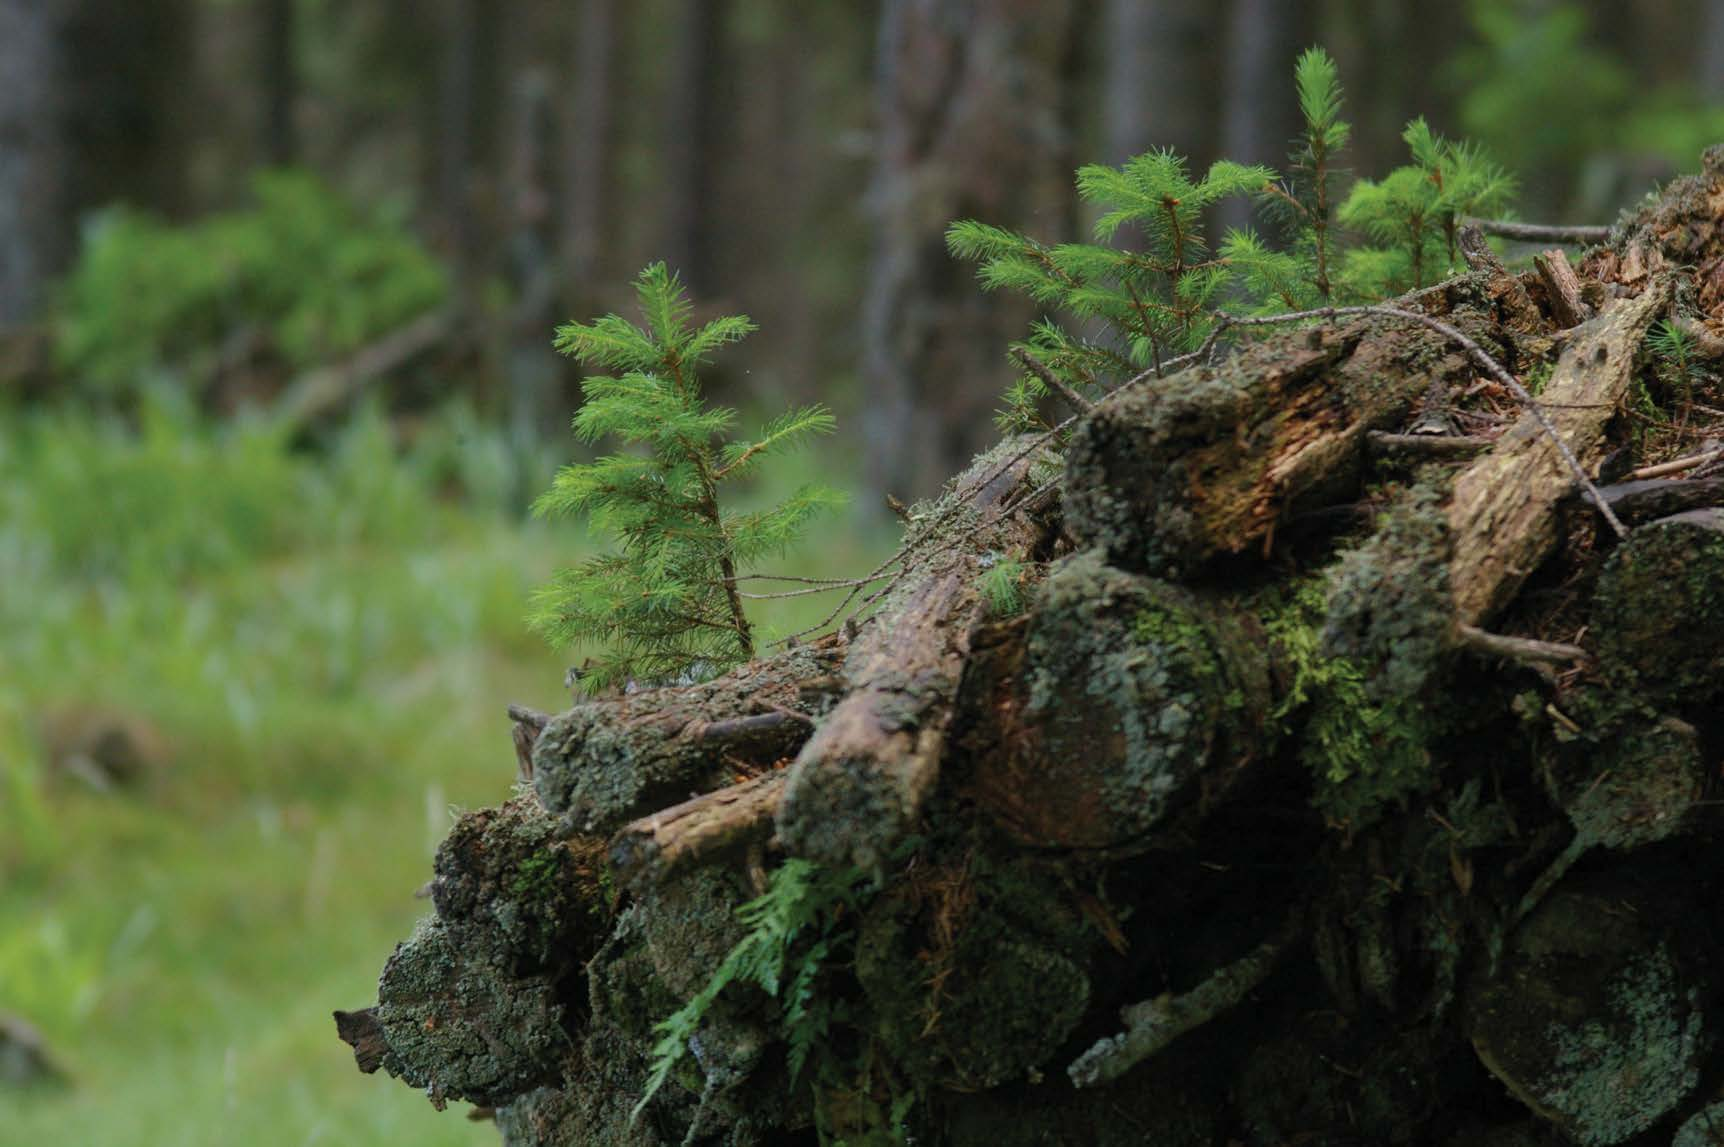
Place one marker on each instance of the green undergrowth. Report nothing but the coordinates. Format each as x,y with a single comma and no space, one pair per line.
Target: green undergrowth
301,268
1365,753
309,651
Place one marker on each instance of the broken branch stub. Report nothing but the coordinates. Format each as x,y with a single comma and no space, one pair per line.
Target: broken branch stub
1502,515
1170,474
611,760
861,781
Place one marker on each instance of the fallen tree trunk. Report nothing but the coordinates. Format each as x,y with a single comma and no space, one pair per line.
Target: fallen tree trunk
860,783
1502,515
1170,474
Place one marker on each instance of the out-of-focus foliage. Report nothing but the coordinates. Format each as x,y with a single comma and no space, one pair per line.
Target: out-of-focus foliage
302,268
1539,87
665,604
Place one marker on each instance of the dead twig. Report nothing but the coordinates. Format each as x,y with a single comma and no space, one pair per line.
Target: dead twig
1153,1024
1524,649
1675,466
1053,381
1540,232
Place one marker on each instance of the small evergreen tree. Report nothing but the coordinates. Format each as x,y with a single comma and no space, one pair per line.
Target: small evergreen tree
1138,306
1155,300
664,604
1303,275
1413,214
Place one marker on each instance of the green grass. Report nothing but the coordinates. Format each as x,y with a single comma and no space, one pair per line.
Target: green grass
321,647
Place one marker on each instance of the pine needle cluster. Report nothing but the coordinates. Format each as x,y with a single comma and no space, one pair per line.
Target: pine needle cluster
1412,216
663,605
1116,308
1154,298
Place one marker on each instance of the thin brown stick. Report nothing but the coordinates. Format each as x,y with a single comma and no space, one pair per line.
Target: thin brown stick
1053,381
1540,232
1675,466
1523,649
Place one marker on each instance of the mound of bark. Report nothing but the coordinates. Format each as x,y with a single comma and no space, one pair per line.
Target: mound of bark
1318,782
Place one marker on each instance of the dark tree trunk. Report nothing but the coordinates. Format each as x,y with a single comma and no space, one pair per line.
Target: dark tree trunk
968,126
689,128
32,188
132,92
1711,70
1159,60
587,149
1263,39
277,29
466,101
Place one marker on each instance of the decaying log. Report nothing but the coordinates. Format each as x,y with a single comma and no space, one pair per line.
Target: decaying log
861,781
1649,499
1131,792
1659,610
1520,314
1427,446
696,831
1562,287
1637,788
1502,518
1169,474
1120,701
611,760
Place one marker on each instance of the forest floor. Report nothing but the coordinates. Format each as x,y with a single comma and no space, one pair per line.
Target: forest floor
288,673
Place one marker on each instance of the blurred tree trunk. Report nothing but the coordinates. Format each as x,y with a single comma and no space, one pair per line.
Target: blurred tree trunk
32,155
1161,60
277,51
690,124
466,101
587,149
1260,114
532,365
968,125
132,97
1711,77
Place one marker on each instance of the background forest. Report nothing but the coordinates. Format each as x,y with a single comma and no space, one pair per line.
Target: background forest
278,282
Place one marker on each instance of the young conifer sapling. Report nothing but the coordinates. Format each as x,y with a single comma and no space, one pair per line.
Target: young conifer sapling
663,605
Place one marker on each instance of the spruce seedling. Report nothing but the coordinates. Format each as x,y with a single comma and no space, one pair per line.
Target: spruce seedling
1301,276
1156,299
664,604
1413,214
